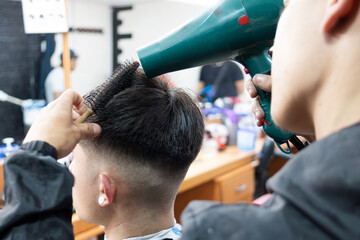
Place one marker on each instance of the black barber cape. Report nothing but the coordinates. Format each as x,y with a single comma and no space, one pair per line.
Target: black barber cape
37,194
314,196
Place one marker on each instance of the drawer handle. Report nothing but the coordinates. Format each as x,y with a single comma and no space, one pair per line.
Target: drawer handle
241,188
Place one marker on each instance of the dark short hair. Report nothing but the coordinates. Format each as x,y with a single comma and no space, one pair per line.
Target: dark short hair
73,55
152,124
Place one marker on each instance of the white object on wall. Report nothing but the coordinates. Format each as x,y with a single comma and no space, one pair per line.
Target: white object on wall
44,16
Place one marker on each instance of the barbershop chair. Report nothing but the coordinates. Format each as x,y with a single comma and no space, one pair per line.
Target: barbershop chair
267,153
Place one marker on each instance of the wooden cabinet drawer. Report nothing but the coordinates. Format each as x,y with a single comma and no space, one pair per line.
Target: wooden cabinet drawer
79,225
237,185
1,177
84,230
2,202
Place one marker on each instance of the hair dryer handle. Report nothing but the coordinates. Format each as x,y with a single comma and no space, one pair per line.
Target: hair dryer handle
270,128
261,63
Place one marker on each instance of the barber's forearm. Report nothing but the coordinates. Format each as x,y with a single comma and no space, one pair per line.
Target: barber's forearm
239,86
200,86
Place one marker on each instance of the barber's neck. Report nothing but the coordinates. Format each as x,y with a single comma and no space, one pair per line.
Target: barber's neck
138,221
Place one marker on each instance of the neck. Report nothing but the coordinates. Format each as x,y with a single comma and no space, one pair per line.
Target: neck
137,222
336,106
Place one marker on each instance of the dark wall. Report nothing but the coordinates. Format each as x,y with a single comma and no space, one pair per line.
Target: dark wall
19,67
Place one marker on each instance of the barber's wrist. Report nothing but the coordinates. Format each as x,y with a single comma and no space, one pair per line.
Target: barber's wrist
40,146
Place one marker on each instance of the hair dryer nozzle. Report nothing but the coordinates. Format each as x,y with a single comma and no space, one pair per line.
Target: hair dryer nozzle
228,30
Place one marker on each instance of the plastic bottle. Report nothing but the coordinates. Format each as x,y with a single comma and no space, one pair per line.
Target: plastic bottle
209,148
247,133
7,148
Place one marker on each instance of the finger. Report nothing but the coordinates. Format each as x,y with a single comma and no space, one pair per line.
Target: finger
81,107
271,50
263,81
76,100
258,111
250,87
68,98
89,130
75,115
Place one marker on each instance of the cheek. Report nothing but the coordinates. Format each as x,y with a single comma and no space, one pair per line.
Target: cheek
77,184
281,77
285,46
84,192
80,185
287,69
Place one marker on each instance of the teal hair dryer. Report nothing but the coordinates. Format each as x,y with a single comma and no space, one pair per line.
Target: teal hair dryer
241,30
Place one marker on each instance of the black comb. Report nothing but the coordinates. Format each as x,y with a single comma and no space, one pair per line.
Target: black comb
97,99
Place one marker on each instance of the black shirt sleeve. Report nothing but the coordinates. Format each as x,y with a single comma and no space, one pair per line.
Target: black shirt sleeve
235,72
38,201
202,74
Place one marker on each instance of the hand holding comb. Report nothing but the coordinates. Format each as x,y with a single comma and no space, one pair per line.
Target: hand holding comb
97,99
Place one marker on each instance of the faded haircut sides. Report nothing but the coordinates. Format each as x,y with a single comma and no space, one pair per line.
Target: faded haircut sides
150,124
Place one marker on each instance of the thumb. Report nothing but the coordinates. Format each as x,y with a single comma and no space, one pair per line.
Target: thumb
263,81
89,130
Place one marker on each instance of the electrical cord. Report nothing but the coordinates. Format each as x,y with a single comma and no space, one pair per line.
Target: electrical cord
297,143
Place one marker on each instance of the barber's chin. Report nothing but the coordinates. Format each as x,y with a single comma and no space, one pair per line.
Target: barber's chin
295,125
282,120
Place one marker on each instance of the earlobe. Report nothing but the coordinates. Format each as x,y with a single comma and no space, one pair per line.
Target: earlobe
101,200
107,191
335,12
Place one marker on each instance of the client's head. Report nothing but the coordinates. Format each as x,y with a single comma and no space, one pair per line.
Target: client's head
150,135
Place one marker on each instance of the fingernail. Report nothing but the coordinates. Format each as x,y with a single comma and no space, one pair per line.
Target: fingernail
96,129
259,79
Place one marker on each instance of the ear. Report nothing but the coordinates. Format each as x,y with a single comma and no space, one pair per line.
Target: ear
336,11
107,190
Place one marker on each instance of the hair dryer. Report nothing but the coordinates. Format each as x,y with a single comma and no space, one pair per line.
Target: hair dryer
242,30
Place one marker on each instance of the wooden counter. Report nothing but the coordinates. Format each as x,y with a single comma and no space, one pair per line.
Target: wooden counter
204,170
1,183
1,177
84,230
